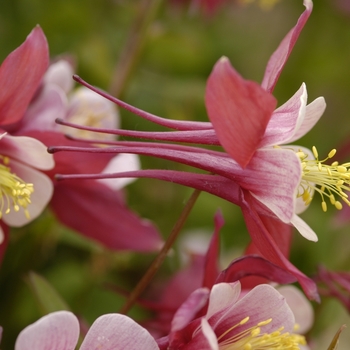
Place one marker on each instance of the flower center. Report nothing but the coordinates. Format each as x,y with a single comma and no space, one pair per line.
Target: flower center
14,192
254,339
328,180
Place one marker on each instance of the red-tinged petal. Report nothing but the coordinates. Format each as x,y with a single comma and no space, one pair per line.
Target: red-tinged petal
313,113
20,76
222,296
58,330
97,212
27,150
188,310
301,307
286,120
254,265
4,238
304,229
43,190
117,332
211,268
239,110
280,56
269,248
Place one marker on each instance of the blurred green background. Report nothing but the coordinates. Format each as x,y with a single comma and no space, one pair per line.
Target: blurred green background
179,50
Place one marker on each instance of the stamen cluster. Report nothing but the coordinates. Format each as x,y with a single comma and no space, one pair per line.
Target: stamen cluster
253,339
328,180
14,192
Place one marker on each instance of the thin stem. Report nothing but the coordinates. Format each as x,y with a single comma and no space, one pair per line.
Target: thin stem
157,262
133,46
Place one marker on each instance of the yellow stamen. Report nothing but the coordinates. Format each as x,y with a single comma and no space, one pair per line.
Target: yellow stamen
14,192
253,338
328,180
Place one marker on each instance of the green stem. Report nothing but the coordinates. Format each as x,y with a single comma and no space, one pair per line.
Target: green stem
148,276
131,52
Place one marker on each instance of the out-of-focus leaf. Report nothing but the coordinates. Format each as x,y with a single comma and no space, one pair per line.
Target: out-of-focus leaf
47,297
334,344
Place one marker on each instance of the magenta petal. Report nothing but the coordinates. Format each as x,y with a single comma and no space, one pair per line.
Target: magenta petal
254,265
97,212
239,110
55,331
20,76
117,332
280,56
189,309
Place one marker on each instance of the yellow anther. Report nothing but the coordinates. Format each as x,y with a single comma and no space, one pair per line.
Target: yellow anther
314,151
342,169
335,163
338,205
324,206
264,323
332,153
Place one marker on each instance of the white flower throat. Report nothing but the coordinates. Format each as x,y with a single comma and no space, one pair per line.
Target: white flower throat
330,181
14,192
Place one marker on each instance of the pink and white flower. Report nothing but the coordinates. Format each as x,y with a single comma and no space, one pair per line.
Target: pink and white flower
24,189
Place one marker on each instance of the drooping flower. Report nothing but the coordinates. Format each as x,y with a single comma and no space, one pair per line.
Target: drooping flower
60,330
24,189
264,180
96,209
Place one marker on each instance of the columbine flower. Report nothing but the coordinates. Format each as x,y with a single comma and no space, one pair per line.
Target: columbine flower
260,318
96,209
264,180
24,189
60,330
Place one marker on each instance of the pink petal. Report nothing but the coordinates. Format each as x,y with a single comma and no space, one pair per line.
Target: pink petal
55,331
280,56
222,295
304,229
239,110
260,304
21,74
273,176
97,212
117,332
43,190
300,306
27,150
189,309
286,120
4,232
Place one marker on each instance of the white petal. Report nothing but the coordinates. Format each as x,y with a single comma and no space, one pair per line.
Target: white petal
60,74
120,163
304,229
209,335
301,307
